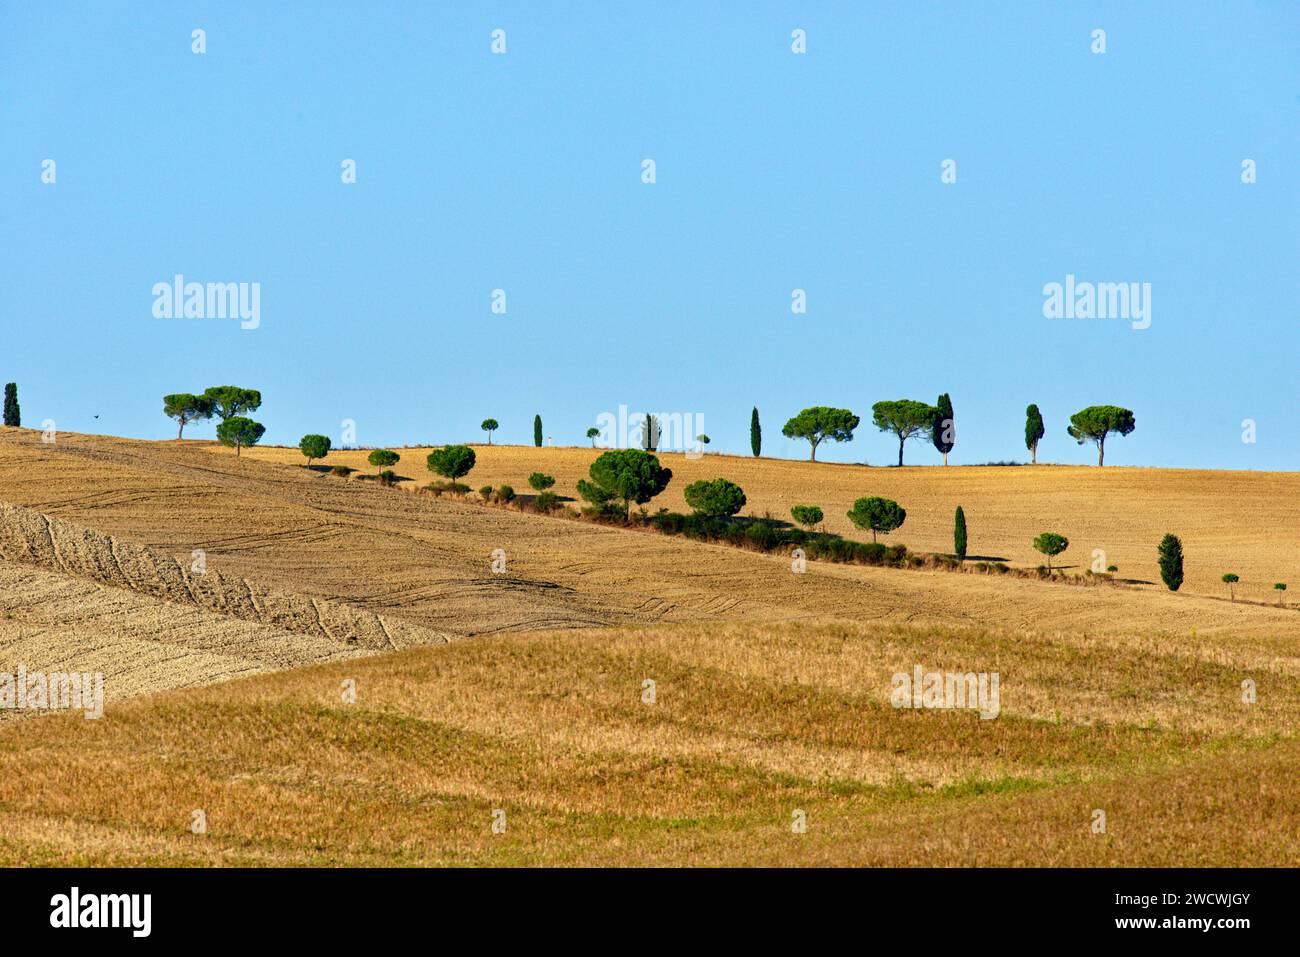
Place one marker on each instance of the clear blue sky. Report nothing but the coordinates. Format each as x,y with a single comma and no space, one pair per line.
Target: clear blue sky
775,171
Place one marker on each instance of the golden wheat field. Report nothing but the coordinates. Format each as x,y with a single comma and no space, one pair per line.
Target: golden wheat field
333,673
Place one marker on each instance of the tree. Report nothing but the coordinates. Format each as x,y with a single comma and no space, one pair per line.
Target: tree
943,431
650,432
806,515
1034,431
959,535
314,447
489,426
230,400
905,418
185,408
13,414
1049,543
1171,561
383,458
820,423
1096,422
240,433
715,499
878,514
630,475
755,433
452,461
1279,587
591,434
540,482
1230,579
537,431
703,439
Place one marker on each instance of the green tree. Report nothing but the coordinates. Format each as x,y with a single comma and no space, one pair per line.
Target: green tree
489,426
703,439
13,414
452,461
905,418
820,423
755,434
1279,587
1050,543
537,431
230,400
943,431
1230,579
806,515
314,447
541,482
1171,561
650,432
383,458
240,433
715,499
1094,423
629,475
959,535
878,514
1034,431
591,434
185,408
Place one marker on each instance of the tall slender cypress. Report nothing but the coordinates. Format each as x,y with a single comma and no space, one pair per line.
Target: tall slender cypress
755,434
13,415
537,431
959,535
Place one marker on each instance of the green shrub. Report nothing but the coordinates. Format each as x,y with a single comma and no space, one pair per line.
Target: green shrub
716,498
878,514
343,470
546,501
383,458
314,447
485,491
452,461
807,515
540,482
629,475
505,493
387,477
1050,543
1171,561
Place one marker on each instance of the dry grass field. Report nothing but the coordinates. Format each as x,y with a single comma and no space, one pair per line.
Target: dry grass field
523,692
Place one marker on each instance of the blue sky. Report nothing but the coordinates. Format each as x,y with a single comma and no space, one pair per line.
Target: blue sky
775,171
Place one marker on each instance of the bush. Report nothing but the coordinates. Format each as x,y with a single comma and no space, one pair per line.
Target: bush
239,433
343,470
1050,543
959,535
485,491
505,493
715,499
387,477
452,461
540,482
878,514
807,515
546,501
383,458
629,475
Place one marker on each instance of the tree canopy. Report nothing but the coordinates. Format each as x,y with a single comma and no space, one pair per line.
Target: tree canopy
240,433
314,447
452,461
1034,431
489,426
231,400
905,418
629,475
878,514
820,423
383,458
1094,423
185,408
943,431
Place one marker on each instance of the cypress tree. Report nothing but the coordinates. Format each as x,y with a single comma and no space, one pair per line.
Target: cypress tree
959,535
1034,431
13,415
537,431
1171,561
755,433
944,431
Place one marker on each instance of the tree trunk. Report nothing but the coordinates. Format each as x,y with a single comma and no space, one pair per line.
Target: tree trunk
180,430
1101,452
1033,454
813,457
945,458
900,451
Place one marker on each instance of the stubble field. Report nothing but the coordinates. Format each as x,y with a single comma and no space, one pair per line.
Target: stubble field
523,693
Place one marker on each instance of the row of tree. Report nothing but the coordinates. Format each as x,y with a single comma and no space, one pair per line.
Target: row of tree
226,402
908,418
